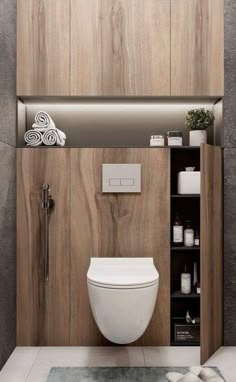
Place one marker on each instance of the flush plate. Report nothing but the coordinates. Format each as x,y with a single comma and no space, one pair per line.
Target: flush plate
122,178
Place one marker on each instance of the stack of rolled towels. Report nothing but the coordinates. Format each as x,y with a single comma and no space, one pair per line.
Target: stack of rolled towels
44,132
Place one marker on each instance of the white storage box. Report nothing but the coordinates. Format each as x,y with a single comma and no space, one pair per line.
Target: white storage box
189,182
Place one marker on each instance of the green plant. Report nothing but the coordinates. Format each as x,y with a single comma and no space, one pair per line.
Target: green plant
199,119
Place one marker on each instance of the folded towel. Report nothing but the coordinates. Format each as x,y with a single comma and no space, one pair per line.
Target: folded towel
177,377
53,137
43,121
33,138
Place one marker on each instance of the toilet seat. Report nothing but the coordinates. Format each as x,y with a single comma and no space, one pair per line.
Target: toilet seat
122,273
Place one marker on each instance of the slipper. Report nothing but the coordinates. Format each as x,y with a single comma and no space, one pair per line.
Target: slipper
206,374
177,377
209,375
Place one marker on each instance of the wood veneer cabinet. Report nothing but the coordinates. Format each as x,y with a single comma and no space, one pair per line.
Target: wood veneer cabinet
42,308
197,47
43,47
85,223
120,47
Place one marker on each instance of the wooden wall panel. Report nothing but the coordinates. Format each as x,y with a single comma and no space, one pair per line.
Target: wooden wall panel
42,309
197,47
118,225
211,251
43,31
120,47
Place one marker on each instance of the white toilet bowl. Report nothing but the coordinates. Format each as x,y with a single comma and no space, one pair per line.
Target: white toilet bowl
122,294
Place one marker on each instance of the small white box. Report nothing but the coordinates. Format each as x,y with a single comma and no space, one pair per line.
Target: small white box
189,182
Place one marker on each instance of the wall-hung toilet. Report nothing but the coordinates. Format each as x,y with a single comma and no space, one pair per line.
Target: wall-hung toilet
122,294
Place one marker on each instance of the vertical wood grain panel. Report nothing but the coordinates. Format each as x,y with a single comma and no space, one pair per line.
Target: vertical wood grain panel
43,31
211,251
197,47
42,309
118,225
120,47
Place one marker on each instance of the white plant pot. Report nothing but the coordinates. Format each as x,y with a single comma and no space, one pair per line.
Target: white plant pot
196,137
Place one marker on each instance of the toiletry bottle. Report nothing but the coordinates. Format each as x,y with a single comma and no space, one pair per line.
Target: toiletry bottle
197,238
177,231
198,288
185,282
188,235
195,278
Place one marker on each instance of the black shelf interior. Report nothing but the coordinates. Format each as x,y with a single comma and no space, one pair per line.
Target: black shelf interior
178,294
188,208
173,343
178,196
182,248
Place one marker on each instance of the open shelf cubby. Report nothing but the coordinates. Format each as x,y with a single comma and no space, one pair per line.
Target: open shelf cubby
187,206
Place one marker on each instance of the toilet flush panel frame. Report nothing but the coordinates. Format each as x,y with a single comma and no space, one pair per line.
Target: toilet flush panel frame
121,178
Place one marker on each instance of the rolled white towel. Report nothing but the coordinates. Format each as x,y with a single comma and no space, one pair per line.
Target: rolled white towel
43,121
53,137
33,138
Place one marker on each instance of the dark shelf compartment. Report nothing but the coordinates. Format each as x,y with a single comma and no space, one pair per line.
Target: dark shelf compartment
178,196
178,295
182,248
173,343
184,147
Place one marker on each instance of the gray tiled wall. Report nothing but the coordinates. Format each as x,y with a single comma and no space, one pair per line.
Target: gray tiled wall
230,175
7,177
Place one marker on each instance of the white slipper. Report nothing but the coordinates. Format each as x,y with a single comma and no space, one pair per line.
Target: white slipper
206,374
173,377
209,375
177,377
196,369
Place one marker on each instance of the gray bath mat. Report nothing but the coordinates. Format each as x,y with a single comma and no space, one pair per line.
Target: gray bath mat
114,374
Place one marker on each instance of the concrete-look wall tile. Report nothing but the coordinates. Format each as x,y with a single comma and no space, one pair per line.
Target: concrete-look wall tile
230,246
230,74
7,252
8,71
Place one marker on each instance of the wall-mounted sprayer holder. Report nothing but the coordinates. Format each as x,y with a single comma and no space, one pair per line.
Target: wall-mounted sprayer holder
47,207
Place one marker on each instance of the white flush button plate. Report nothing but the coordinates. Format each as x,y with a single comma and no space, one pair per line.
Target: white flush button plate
121,177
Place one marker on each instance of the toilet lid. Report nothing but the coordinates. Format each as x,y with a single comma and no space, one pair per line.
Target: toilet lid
122,272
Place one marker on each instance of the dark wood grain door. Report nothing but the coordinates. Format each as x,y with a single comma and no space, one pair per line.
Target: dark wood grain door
211,251
123,225
42,308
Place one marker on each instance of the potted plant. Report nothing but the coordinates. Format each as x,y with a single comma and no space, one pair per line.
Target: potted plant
197,121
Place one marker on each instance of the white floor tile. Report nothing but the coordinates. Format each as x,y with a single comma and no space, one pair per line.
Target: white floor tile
172,356
225,360
112,356
19,364
84,356
31,364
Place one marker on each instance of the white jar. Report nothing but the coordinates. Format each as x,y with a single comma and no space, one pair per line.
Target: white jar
157,140
189,237
186,283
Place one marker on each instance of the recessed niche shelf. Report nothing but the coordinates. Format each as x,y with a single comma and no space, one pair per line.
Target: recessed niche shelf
115,121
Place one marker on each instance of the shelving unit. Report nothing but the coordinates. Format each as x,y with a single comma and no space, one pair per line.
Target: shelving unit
188,208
